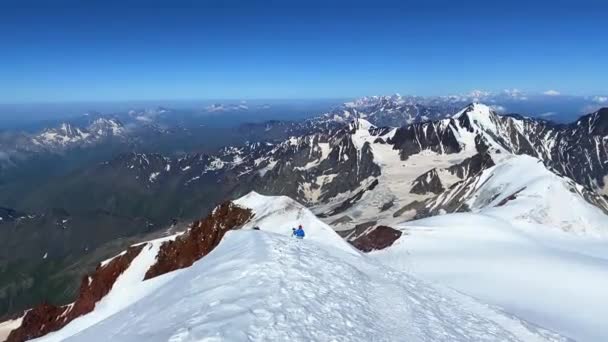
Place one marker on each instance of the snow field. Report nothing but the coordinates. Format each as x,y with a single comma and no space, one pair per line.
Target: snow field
541,197
260,286
548,277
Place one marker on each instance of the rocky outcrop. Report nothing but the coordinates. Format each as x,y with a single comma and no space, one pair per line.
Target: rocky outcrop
413,206
510,197
379,238
352,234
349,202
427,182
202,238
472,166
435,136
47,318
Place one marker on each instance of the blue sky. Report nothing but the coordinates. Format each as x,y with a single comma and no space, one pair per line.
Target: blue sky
130,50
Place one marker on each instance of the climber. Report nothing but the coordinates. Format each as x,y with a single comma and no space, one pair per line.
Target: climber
299,233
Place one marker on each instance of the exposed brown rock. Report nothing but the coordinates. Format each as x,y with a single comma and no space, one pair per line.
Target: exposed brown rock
378,238
203,236
201,239
47,318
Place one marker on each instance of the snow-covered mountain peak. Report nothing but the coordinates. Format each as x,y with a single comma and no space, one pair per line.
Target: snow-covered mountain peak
63,135
66,135
475,110
479,118
521,188
105,127
361,124
65,130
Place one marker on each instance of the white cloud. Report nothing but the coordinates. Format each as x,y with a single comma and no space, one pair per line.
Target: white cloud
498,108
478,94
143,118
552,92
548,114
600,99
590,108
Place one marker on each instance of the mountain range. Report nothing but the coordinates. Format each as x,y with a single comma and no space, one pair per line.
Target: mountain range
359,174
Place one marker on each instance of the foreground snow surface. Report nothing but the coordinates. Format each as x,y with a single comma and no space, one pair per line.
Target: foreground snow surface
552,278
260,286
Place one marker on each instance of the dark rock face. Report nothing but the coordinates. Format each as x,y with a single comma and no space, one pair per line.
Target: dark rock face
472,166
427,182
202,238
510,197
351,167
351,234
386,206
450,201
349,202
580,150
435,136
415,205
379,238
47,318
596,123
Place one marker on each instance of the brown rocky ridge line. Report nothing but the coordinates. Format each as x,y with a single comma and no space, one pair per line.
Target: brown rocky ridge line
46,318
202,237
379,238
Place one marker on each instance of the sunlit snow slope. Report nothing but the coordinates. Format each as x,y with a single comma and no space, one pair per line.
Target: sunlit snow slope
532,245
260,286
521,188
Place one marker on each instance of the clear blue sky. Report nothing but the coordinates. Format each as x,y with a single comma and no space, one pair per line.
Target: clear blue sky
89,50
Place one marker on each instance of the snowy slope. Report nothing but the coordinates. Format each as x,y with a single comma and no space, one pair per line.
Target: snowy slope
521,188
127,290
531,244
547,276
275,214
260,286
7,326
279,214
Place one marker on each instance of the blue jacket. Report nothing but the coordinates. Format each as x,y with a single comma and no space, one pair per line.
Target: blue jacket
299,233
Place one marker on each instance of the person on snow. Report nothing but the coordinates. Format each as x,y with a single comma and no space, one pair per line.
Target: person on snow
299,233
